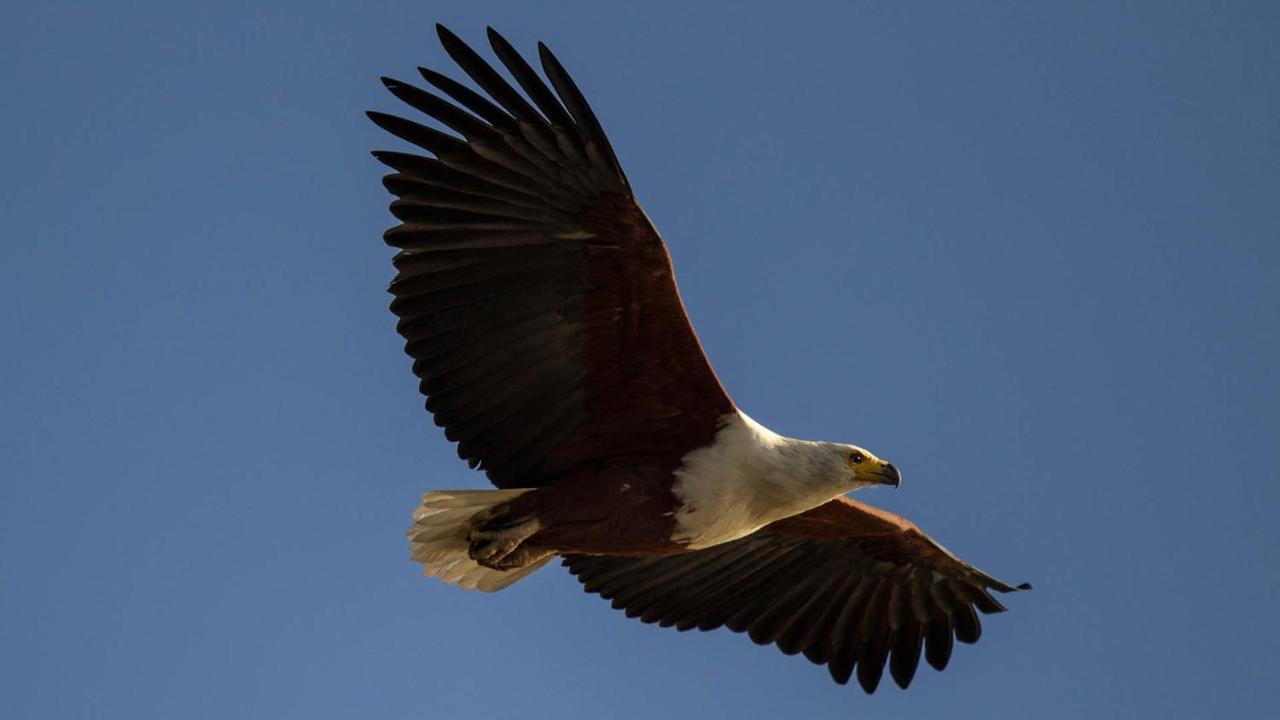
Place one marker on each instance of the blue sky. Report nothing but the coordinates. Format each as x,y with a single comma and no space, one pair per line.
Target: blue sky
1026,251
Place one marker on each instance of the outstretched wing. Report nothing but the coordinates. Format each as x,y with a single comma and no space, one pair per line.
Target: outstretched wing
536,299
846,584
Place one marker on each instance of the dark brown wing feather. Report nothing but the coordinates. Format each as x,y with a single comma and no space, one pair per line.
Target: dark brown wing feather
850,586
536,299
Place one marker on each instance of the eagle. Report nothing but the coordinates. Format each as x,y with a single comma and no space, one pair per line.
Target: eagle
540,308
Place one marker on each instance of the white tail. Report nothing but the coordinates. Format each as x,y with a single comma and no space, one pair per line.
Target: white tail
438,539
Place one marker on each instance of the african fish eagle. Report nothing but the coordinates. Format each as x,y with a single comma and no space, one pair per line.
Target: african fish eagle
539,306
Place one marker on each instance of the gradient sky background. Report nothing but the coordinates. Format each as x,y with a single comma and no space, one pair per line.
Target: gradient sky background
1027,252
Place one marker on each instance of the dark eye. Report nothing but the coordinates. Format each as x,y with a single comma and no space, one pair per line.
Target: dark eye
856,458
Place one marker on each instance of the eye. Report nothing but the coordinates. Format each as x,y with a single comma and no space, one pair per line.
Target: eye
856,457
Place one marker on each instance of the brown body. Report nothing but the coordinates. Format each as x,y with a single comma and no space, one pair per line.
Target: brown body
623,509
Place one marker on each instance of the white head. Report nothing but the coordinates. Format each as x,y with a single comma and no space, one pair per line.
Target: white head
850,466
751,476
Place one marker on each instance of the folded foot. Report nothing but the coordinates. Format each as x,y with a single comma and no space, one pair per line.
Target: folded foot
497,542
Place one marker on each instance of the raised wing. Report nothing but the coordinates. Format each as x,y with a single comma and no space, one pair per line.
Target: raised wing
846,584
536,299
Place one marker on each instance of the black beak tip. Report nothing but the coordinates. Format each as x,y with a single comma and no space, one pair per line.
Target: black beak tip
894,477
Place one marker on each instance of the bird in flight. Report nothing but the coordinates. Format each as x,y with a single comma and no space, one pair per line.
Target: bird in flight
540,308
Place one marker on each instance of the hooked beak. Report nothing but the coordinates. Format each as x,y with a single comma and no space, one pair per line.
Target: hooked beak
888,475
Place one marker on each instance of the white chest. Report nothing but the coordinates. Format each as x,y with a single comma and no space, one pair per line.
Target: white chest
747,478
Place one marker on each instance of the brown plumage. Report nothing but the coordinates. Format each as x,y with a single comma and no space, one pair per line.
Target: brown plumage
843,583
540,309
535,297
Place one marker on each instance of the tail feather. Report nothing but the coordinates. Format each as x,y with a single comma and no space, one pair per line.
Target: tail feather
438,539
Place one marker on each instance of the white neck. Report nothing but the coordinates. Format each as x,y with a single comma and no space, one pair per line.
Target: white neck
747,478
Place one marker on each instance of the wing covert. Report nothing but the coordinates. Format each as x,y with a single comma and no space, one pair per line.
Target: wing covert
852,587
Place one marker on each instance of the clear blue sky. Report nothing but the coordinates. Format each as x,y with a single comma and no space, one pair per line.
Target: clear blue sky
1028,252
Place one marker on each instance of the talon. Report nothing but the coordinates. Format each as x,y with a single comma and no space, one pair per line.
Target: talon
495,541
